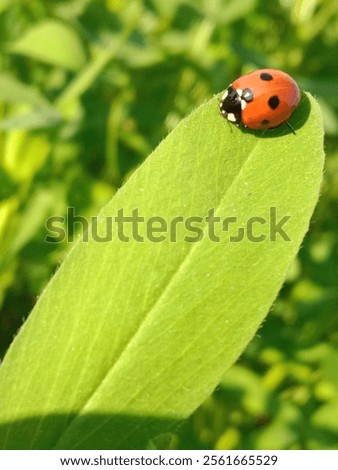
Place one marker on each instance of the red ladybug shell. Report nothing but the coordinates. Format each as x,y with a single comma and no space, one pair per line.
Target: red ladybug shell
266,98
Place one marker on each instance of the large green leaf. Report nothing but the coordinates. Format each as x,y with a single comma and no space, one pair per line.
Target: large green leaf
130,337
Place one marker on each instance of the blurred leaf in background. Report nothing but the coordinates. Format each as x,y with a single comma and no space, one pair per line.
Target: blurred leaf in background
87,89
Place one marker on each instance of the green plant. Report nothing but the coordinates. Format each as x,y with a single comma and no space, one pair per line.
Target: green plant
75,122
130,337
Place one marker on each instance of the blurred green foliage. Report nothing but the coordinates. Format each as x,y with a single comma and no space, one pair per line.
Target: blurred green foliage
87,89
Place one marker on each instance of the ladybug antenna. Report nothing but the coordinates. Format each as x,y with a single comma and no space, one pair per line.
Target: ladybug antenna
289,125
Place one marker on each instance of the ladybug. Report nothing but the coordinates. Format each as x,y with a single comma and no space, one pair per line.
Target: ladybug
263,99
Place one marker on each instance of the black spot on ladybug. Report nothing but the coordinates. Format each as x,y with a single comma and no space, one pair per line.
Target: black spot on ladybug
247,95
273,102
266,76
265,122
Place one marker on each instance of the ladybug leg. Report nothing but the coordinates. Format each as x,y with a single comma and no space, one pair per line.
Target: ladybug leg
290,127
231,130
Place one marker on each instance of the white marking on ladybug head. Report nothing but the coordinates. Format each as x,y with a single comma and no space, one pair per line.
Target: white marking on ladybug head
243,104
239,92
225,95
223,111
231,117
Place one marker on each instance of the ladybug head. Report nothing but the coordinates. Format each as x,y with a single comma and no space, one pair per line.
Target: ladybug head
230,105
233,102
